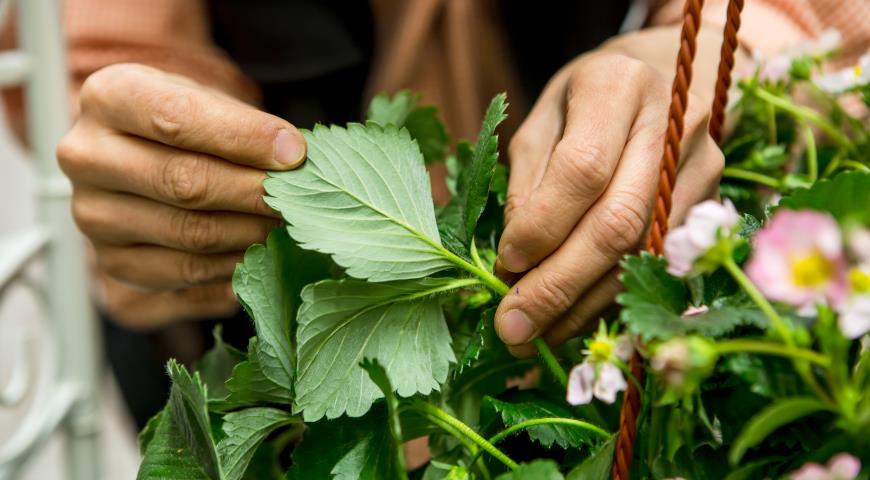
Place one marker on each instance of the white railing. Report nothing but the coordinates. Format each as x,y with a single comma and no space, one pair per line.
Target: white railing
64,391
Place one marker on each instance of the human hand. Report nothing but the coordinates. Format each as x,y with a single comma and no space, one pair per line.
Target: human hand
167,184
584,171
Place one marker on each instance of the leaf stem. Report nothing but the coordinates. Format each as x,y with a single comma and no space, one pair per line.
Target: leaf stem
548,421
758,346
741,174
457,425
552,362
501,288
746,284
812,153
855,165
572,422
802,113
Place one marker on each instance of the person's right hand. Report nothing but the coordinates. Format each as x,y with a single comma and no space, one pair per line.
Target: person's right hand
167,184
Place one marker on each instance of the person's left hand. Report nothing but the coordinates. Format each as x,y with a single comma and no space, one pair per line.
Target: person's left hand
584,171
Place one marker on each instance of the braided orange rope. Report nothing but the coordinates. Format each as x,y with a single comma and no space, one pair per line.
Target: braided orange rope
726,65
655,242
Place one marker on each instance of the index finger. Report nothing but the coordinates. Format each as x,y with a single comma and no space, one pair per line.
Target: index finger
164,108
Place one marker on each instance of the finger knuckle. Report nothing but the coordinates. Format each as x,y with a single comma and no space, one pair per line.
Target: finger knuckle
519,145
185,179
198,231
72,153
112,262
621,223
169,111
99,87
513,202
584,166
196,269
539,225
553,293
86,216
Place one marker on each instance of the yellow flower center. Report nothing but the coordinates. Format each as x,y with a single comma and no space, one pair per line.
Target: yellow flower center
600,351
857,70
860,280
812,270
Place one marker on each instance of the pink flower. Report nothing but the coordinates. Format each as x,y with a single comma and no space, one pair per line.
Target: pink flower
840,467
602,380
694,311
706,223
798,259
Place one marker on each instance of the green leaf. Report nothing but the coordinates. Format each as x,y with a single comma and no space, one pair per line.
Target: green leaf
332,447
147,433
400,324
525,405
422,122
216,366
478,167
537,470
378,375
483,337
394,111
597,466
249,385
166,454
187,405
181,445
363,197
846,197
776,415
654,301
245,430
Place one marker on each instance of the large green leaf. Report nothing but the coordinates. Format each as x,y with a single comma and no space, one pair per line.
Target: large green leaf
524,406
363,197
379,376
245,430
846,197
249,385
597,466
348,448
653,303
216,366
399,324
537,470
776,415
181,446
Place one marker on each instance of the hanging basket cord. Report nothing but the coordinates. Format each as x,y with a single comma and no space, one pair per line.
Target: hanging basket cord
630,410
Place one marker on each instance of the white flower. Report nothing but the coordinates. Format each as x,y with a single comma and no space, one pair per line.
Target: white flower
859,244
706,223
846,79
671,360
776,69
602,380
829,41
854,318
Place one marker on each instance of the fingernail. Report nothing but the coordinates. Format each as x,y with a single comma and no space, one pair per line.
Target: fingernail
515,328
513,259
289,148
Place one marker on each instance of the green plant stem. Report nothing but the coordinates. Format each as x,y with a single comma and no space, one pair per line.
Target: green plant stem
552,362
549,421
746,284
771,124
770,348
802,113
855,165
475,256
801,365
833,165
436,413
501,288
741,174
471,446
812,154
498,437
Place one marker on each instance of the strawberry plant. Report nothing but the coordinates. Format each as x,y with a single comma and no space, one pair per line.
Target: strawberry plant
373,312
